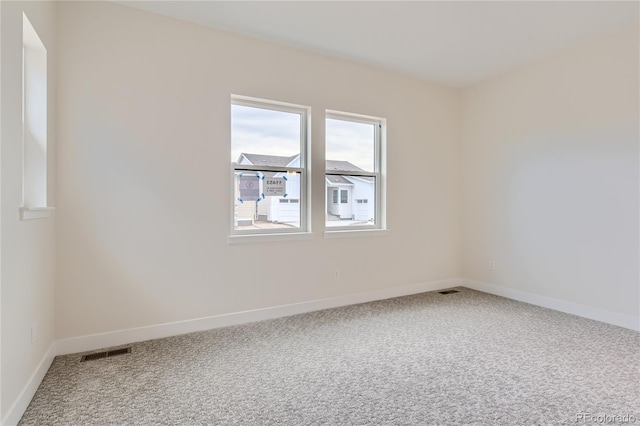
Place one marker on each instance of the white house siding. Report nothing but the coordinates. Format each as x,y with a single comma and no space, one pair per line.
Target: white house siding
245,211
331,207
343,211
288,212
264,208
361,210
292,185
363,190
270,208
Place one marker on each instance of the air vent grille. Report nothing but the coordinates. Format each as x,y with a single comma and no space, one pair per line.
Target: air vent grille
105,354
119,351
94,356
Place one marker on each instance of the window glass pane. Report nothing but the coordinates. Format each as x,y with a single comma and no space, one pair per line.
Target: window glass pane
34,116
274,135
357,196
350,146
344,196
254,210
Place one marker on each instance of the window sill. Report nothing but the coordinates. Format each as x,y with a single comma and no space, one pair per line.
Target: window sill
356,233
266,238
28,213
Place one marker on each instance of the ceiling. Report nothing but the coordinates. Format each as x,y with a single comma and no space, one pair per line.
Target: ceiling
455,43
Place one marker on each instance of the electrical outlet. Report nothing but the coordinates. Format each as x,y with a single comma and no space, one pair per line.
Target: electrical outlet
33,333
336,275
492,265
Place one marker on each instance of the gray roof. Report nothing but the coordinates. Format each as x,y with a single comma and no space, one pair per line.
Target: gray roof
280,161
365,178
267,160
338,179
343,166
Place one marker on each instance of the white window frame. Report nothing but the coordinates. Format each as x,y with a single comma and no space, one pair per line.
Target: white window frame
35,129
304,170
379,174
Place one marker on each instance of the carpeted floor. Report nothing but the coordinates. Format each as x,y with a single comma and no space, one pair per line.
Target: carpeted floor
463,358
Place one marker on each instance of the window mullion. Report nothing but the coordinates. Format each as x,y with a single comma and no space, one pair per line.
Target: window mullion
267,169
349,173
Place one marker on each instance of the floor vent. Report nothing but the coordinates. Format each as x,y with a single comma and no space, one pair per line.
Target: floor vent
105,354
448,292
119,351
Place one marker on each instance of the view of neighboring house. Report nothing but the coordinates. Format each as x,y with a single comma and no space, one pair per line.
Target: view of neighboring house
278,209
349,198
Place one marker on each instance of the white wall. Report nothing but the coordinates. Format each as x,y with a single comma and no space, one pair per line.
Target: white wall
550,177
27,275
545,183
143,184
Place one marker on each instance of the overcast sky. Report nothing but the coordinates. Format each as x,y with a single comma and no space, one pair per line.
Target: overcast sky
263,131
349,141
266,132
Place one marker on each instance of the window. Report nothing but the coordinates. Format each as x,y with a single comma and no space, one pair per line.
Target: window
269,166
354,171
34,124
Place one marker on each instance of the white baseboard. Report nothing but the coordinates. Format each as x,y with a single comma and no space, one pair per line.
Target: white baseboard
602,315
14,414
123,337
